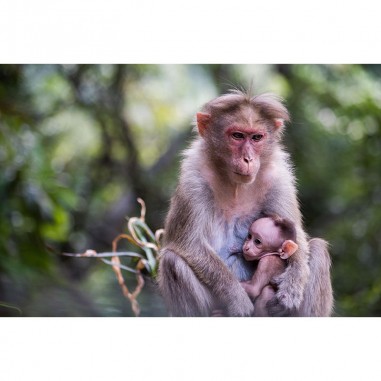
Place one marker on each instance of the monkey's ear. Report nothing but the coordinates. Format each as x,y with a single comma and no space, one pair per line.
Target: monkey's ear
288,248
279,123
203,121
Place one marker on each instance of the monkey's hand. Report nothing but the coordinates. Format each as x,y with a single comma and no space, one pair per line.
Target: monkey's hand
217,313
251,290
290,288
238,303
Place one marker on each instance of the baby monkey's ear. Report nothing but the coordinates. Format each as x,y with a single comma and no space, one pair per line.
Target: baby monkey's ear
288,248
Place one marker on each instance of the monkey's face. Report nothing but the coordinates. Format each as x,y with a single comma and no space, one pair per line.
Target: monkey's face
264,237
245,139
244,145
237,141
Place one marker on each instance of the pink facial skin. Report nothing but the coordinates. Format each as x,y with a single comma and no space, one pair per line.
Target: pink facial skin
263,238
245,144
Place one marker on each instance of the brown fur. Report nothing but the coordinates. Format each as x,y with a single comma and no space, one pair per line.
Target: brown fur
212,208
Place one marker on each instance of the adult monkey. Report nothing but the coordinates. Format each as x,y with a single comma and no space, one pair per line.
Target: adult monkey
235,171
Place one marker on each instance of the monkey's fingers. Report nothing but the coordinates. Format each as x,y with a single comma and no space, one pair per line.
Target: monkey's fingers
276,309
217,313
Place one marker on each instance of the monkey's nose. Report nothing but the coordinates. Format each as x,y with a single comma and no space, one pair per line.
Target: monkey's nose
247,160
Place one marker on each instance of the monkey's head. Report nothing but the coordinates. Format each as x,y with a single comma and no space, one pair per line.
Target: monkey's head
240,131
270,235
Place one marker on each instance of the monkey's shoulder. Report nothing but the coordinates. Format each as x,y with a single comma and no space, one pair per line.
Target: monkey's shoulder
272,264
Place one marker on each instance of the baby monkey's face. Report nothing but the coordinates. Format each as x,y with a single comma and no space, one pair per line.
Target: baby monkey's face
264,237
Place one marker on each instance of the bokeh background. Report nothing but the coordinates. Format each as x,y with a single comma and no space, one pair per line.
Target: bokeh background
80,143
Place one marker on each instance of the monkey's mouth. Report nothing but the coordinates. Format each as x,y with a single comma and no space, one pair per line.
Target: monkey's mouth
249,257
243,174
243,178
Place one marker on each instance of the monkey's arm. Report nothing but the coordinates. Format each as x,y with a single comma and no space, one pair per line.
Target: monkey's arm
291,283
187,234
253,289
213,272
268,268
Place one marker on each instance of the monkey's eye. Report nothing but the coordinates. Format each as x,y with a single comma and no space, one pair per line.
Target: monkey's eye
257,242
257,137
249,236
238,135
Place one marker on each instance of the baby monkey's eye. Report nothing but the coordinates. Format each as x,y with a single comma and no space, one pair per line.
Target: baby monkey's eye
257,241
249,236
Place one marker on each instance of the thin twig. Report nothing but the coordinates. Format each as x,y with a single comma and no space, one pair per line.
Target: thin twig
140,234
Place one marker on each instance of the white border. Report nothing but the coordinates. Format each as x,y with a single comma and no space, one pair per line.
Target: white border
197,31
190,349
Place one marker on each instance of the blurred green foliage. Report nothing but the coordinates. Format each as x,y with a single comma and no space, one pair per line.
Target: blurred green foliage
79,144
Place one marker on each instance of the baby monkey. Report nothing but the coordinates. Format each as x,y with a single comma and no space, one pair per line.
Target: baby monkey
271,240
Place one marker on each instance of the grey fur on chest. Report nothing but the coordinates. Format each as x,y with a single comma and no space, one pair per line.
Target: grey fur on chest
231,238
